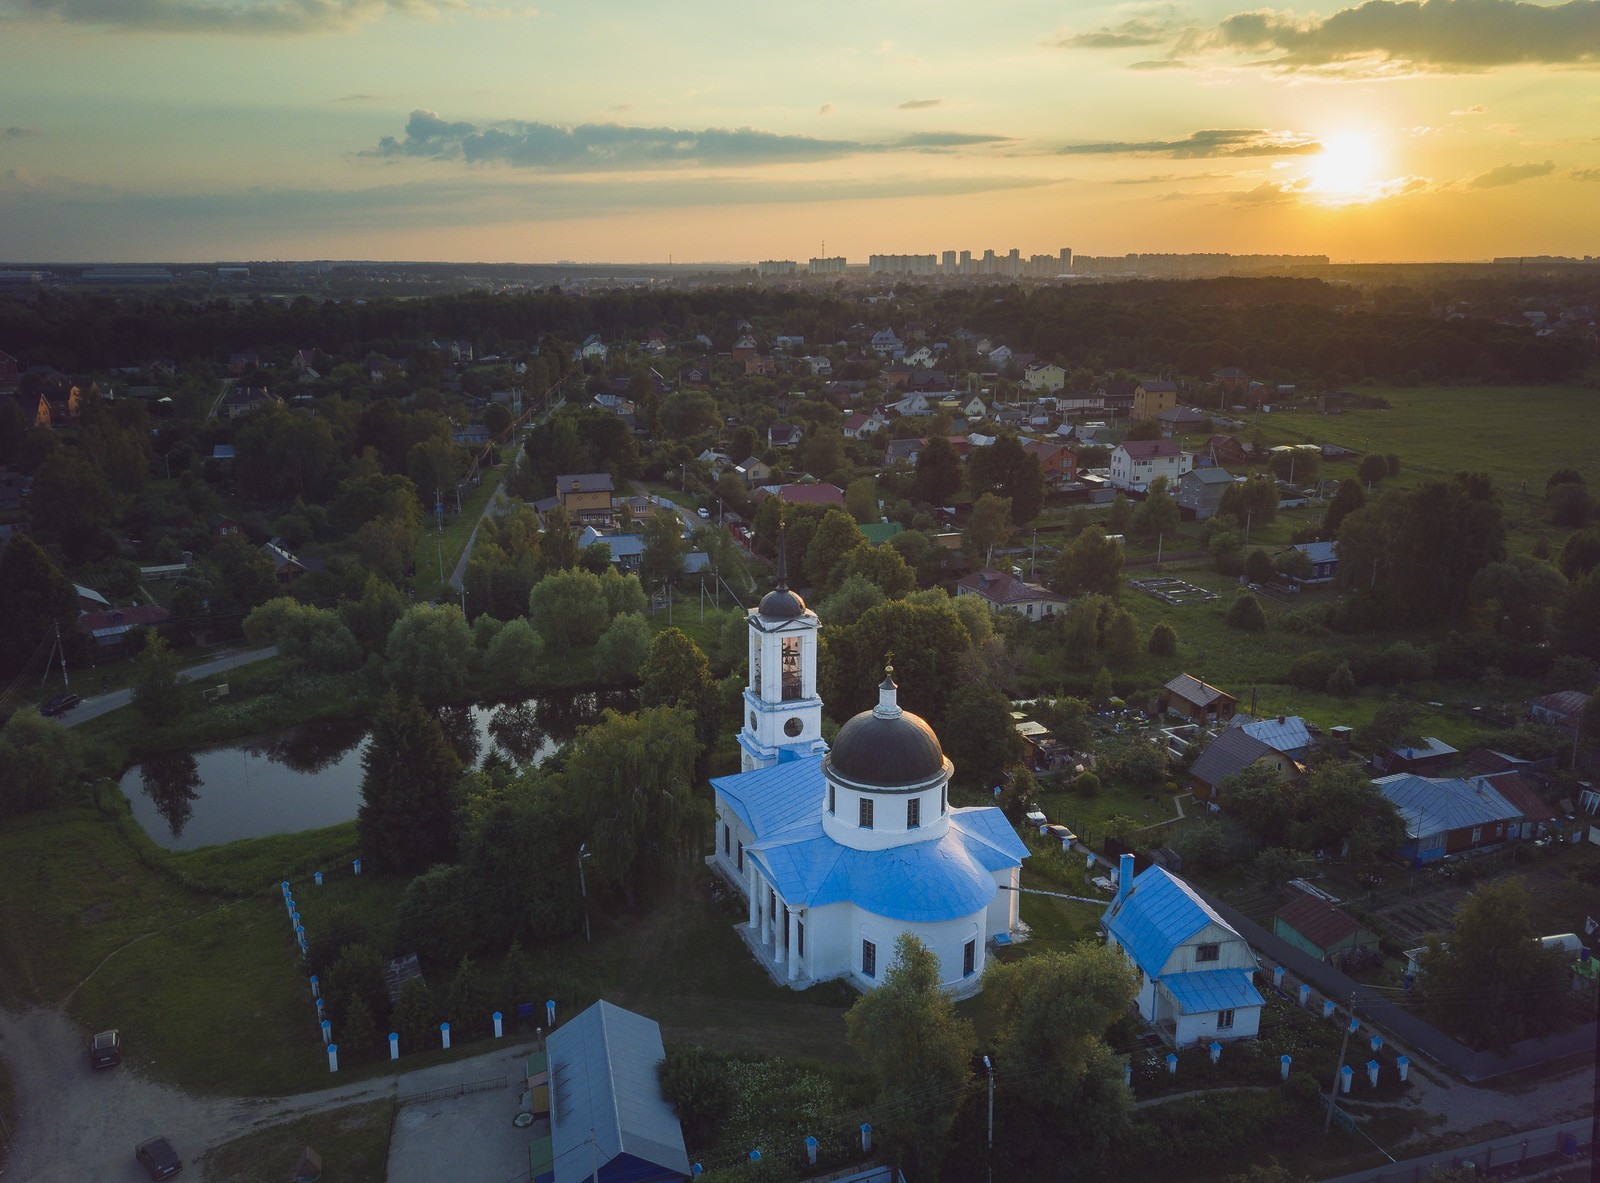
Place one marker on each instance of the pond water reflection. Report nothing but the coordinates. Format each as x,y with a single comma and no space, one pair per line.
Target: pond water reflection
310,776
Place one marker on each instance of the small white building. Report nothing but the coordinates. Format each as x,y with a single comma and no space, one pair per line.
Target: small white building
1195,972
1135,463
839,852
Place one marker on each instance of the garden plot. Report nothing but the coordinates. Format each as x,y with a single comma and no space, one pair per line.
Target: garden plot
1177,592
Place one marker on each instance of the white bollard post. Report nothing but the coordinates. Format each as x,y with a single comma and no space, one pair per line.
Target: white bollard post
1347,1076
318,878
497,1031
755,1156
1355,1024
1377,1042
315,993
1305,994
1372,1073
321,1012
355,866
1403,1063
866,1138
550,1013
1127,1076
333,1057
811,1150
1277,976
327,1031
394,1045
696,1170
1172,1063
1216,1051
1327,1009
444,1035
1283,1066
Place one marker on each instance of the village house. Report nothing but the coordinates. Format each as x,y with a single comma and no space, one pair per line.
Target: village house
1324,558
1196,973
1231,752
1562,709
1198,703
819,493
1057,462
783,435
1007,593
1431,756
222,526
1289,734
753,471
1045,376
862,423
286,569
109,628
246,400
1180,420
745,348
1445,816
1151,396
586,496
885,344
1228,450
1324,931
592,349
1135,463
1199,492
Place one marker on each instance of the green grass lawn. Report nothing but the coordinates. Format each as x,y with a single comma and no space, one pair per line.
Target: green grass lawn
437,550
352,1142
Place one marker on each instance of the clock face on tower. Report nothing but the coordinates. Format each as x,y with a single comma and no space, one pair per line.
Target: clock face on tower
793,728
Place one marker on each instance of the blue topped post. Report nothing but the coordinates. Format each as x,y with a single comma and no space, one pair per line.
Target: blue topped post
550,1012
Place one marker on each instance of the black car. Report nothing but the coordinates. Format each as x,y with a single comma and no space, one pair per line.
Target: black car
105,1050
158,1157
59,705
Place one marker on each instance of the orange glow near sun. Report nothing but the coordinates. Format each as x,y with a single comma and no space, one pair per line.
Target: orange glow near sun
1347,170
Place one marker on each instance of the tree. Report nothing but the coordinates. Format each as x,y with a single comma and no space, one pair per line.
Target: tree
856,594
416,1017
1261,801
675,673
569,609
1276,866
1517,597
1251,504
624,593
355,978
930,644
1158,513
512,658
633,773
1008,470
430,650
1246,614
1091,564
1372,469
1342,681
1338,804
372,616
1568,505
861,499
71,503
978,734
39,606
1121,638
621,649
157,693
468,1003
1580,554
1298,465
696,1083
1349,498
1118,515
1490,979
988,528
1163,641
41,763
409,778
836,535
357,1036
664,549
823,451
1069,720
1258,566
938,476
880,565
917,1052
1578,619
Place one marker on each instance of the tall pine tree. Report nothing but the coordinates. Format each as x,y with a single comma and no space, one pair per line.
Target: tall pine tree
409,778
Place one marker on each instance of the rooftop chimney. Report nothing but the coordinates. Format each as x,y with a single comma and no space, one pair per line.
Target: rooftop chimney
1124,877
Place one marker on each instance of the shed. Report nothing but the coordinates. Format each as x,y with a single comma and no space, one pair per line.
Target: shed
606,1107
1316,927
1188,696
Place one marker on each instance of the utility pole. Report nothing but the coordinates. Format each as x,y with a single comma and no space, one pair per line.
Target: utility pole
988,1067
583,889
1344,1044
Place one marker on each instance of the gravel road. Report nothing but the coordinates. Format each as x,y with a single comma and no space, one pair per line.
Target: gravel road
75,1124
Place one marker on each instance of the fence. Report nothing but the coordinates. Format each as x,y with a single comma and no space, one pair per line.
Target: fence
1514,1155
464,1089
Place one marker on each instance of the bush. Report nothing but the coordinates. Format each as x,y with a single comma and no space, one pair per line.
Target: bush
1341,682
1163,641
1085,784
1310,671
1258,566
696,1083
1246,614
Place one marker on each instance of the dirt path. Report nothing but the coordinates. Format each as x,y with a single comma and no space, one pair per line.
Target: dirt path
75,1124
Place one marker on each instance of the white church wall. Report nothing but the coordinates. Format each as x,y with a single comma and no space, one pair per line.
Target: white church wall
947,939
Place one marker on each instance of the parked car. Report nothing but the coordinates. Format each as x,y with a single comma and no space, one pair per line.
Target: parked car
105,1050
59,705
158,1157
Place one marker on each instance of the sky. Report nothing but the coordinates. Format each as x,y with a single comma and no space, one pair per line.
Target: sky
642,131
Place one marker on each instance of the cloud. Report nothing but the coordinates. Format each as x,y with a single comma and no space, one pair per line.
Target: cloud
19,133
598,147
1475,109
1585,174
359,98
825,109
276,18
1459,35
1206,145
1130,34
918,104
1511,174
1168,178
1271,193
1161,64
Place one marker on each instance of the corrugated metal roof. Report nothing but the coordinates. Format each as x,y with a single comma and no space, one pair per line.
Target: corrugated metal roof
1202,991
1285,735
1318,921
1157,915
1318,552
603,1084
771,800
1433,805
1192,688
1231,752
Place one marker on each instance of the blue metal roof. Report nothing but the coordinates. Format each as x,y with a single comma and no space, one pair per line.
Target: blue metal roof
1212,989
603,1085
1319,552
1285,735
1157,915
1431,805
771,800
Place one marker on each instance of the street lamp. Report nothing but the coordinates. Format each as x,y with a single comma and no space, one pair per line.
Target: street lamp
583,889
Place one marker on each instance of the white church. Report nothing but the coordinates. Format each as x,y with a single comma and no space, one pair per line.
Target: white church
839,852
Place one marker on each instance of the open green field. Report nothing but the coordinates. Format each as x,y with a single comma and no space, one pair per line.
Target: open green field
353,1143
441,551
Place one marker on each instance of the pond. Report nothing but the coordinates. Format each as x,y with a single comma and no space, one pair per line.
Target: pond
310,776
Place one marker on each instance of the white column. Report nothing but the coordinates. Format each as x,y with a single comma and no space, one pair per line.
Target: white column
766,914
752,885
794,952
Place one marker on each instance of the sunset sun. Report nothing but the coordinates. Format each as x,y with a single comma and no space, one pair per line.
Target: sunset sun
1347,170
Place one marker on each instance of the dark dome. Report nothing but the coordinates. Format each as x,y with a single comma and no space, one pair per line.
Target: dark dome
886,751
782,604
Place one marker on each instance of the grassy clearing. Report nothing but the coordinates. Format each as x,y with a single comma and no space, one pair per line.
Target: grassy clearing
437,550
353,1144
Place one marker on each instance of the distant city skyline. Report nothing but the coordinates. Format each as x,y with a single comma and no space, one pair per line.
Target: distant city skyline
495,130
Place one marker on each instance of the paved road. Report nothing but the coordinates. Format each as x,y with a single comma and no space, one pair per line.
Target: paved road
93,708
74,1123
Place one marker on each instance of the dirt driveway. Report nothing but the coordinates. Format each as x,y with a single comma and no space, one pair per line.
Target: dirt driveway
75,1124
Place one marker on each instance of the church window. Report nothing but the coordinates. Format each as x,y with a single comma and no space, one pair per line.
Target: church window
791,668
752,720
727,840
741,856
800,937
944,800
914,813
755,670
866,813
1207,953
793,728
869,959
969,958
772,904
832,798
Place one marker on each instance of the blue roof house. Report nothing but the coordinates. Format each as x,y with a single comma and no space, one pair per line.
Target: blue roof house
606,1107
1196,974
